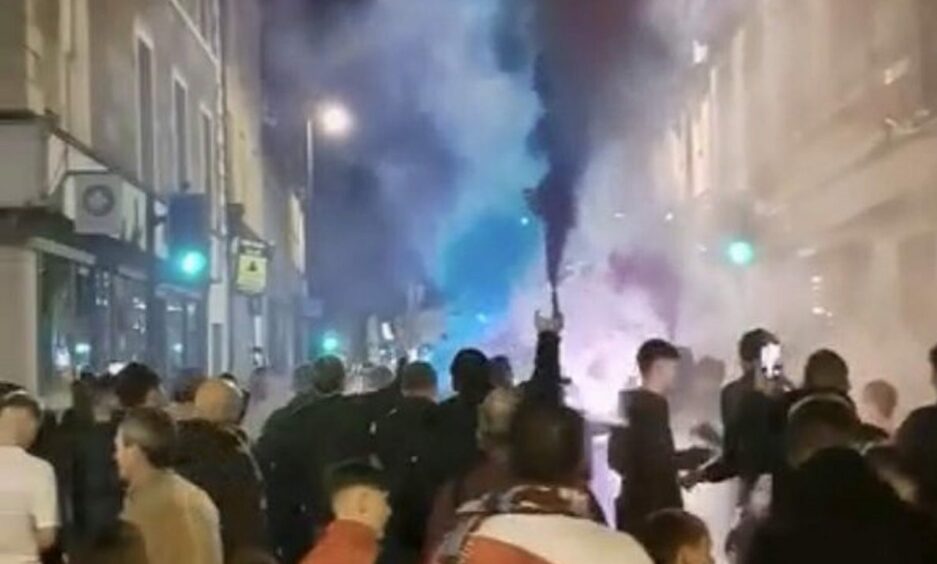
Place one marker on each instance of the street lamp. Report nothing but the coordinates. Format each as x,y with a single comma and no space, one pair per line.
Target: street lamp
335,120
331,119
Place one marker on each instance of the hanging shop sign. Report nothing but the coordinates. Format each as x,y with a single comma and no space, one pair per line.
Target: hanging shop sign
252,260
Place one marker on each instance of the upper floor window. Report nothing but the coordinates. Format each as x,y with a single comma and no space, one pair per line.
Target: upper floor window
180,131
146,129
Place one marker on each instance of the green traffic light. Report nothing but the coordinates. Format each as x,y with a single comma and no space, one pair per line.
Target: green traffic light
741,252
192,263
331,344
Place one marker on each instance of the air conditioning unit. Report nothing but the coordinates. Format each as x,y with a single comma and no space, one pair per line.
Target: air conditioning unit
99,203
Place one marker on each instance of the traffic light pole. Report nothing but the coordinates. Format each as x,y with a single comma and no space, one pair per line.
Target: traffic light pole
153,353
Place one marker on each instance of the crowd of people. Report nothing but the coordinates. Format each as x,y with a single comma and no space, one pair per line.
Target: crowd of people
498,473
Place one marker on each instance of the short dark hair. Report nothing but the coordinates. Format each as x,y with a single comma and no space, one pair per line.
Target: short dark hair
418,376
821,421
471,375
667,531
652,351
186,384
933,358
153,431
134,382
883,395
328,375
352,474
547,442
752,342
21,399
826,369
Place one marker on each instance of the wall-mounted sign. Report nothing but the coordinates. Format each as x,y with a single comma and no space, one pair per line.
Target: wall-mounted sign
251,273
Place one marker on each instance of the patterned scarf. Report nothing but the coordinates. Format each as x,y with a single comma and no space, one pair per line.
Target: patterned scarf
520,500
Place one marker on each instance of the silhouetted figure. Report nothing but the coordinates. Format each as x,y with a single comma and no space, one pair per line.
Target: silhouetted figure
455,442
642,451
213,455
915,441
838,509
404,445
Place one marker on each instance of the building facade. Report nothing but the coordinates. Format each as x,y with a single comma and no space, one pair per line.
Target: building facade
805,127
266,212
147,98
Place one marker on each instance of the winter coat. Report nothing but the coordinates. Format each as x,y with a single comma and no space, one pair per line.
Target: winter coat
839,511
403,442
219,461
296,452
915,441
95,493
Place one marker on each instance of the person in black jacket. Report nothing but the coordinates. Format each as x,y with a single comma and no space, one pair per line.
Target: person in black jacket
94,489
915,441
643,451
280,451
752,410
403,443
213,455
455,443
838,509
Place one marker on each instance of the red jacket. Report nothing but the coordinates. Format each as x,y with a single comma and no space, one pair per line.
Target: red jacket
345,542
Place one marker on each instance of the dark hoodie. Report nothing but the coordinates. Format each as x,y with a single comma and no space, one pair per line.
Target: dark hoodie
643,453
839,511
219,461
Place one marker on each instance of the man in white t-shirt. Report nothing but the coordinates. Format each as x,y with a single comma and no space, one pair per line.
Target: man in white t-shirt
28,503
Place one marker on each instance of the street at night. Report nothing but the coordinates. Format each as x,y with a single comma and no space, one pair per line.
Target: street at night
468,281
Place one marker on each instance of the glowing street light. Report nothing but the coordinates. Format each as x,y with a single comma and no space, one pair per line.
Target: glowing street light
334,119
741,252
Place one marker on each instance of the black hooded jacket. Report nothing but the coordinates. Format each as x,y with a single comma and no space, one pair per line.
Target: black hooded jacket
219,461
839,511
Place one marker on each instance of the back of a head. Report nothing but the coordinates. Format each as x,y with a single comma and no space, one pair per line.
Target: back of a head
547,443
134,383
471,375
418,376
502,373
826,369
19,399
328,375
187,384
495,416
153,432
752,342
354,474
654,350
303,377
883,396
219,401
819,422
379,377
667,532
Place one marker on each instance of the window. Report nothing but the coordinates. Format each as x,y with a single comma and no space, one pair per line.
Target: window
145,124
66,311
180,122
208,155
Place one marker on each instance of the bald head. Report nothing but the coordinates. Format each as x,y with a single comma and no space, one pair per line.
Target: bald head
219,401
